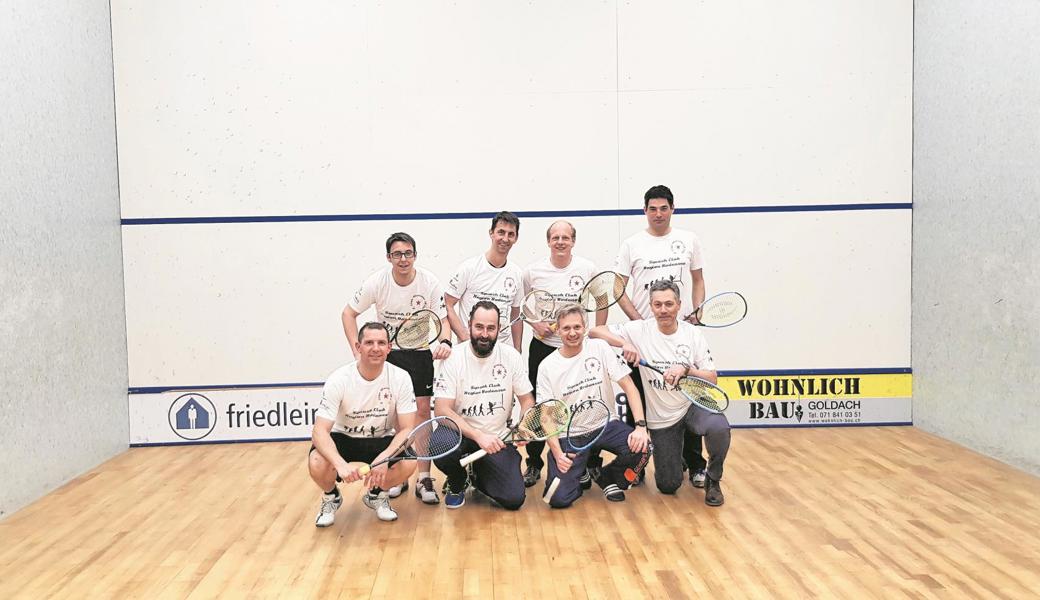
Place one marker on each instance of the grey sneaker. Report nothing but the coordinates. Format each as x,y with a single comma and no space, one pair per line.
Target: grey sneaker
713,493
425,491
397,490
327,513
697,478
381,504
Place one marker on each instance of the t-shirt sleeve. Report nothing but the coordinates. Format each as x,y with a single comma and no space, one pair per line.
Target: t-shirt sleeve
405,394
521,383
446,383
702,359
459,281
696,253
623,263
545,391
331,397
518,295
365,296
617,369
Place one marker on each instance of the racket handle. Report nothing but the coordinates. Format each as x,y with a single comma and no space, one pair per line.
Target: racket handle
551,491
364,469
479,454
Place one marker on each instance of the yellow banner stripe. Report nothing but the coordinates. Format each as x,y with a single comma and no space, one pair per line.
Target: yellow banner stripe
818,386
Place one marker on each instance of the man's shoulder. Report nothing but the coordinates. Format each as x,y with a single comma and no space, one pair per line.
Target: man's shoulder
343,373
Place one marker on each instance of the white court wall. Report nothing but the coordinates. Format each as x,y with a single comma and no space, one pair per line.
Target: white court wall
62,328
354,108
976,311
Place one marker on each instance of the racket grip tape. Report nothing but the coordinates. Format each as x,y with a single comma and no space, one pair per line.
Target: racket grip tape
551,491
364,469
479,454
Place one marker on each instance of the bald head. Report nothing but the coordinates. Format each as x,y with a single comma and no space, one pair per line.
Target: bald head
561,228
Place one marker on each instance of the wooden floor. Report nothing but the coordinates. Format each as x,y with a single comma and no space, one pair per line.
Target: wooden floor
836,513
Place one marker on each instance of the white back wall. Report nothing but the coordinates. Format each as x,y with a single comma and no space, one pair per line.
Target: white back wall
267,152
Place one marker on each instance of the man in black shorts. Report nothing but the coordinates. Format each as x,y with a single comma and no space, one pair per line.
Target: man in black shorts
397,291
367,409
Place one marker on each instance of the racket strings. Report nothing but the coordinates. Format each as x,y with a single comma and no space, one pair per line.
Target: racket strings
544,420
539,306
707,397
723,310
418,331
435,438
602,291
587,418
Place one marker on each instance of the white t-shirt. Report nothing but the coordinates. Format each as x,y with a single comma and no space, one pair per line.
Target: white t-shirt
647,259
475,280
483,388
394,303
366,409
665,405
564,284
583,377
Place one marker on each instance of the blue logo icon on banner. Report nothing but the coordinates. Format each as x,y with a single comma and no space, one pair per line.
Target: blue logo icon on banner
192,416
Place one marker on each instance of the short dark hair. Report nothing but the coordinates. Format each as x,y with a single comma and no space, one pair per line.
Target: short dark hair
373,326
658,191
664,284
486,305
506,217
400,236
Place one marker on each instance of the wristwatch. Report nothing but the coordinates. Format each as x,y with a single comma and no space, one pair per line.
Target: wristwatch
446,341
640,423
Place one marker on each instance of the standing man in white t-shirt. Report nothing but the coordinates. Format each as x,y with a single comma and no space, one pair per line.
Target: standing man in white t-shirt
367,409
563,275
489,277
679,349
398,291
661,253
476,387
578,373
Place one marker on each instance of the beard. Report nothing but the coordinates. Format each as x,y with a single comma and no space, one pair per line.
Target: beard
482,346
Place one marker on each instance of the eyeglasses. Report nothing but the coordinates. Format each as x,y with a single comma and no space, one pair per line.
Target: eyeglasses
399,255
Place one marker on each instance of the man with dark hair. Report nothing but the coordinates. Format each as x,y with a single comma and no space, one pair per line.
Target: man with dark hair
679,349
476,387
563,275
490,277
661,253
396,292
367,409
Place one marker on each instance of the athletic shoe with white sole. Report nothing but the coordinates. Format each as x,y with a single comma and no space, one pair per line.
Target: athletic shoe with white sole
330,503
381,504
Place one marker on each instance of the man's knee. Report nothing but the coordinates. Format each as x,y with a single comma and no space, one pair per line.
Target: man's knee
512,502
667,485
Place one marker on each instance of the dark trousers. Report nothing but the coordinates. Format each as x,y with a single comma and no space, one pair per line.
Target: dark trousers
615,441
537,351
692,443
497,475
714,427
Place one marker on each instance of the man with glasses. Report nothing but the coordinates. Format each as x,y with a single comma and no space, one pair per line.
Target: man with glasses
397,292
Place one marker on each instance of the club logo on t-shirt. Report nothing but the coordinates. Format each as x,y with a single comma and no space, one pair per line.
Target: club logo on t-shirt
418,302
384,395
498,372
683,350
509,285
678,247
576,283
593,366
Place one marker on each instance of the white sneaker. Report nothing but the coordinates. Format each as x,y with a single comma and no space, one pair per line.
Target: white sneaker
697,479
327,514
424,491
397,490
381,504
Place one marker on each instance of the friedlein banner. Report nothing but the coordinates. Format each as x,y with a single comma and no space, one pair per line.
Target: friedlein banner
258,414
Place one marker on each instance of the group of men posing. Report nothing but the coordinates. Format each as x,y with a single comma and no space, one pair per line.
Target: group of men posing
369,406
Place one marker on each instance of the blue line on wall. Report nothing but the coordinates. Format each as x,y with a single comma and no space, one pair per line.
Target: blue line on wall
530,213
311,384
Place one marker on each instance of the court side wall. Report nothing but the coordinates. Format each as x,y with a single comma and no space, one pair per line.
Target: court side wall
62,324
976,288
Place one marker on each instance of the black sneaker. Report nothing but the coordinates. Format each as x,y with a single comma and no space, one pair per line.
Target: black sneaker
614,493
586,480
531,476
713,492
